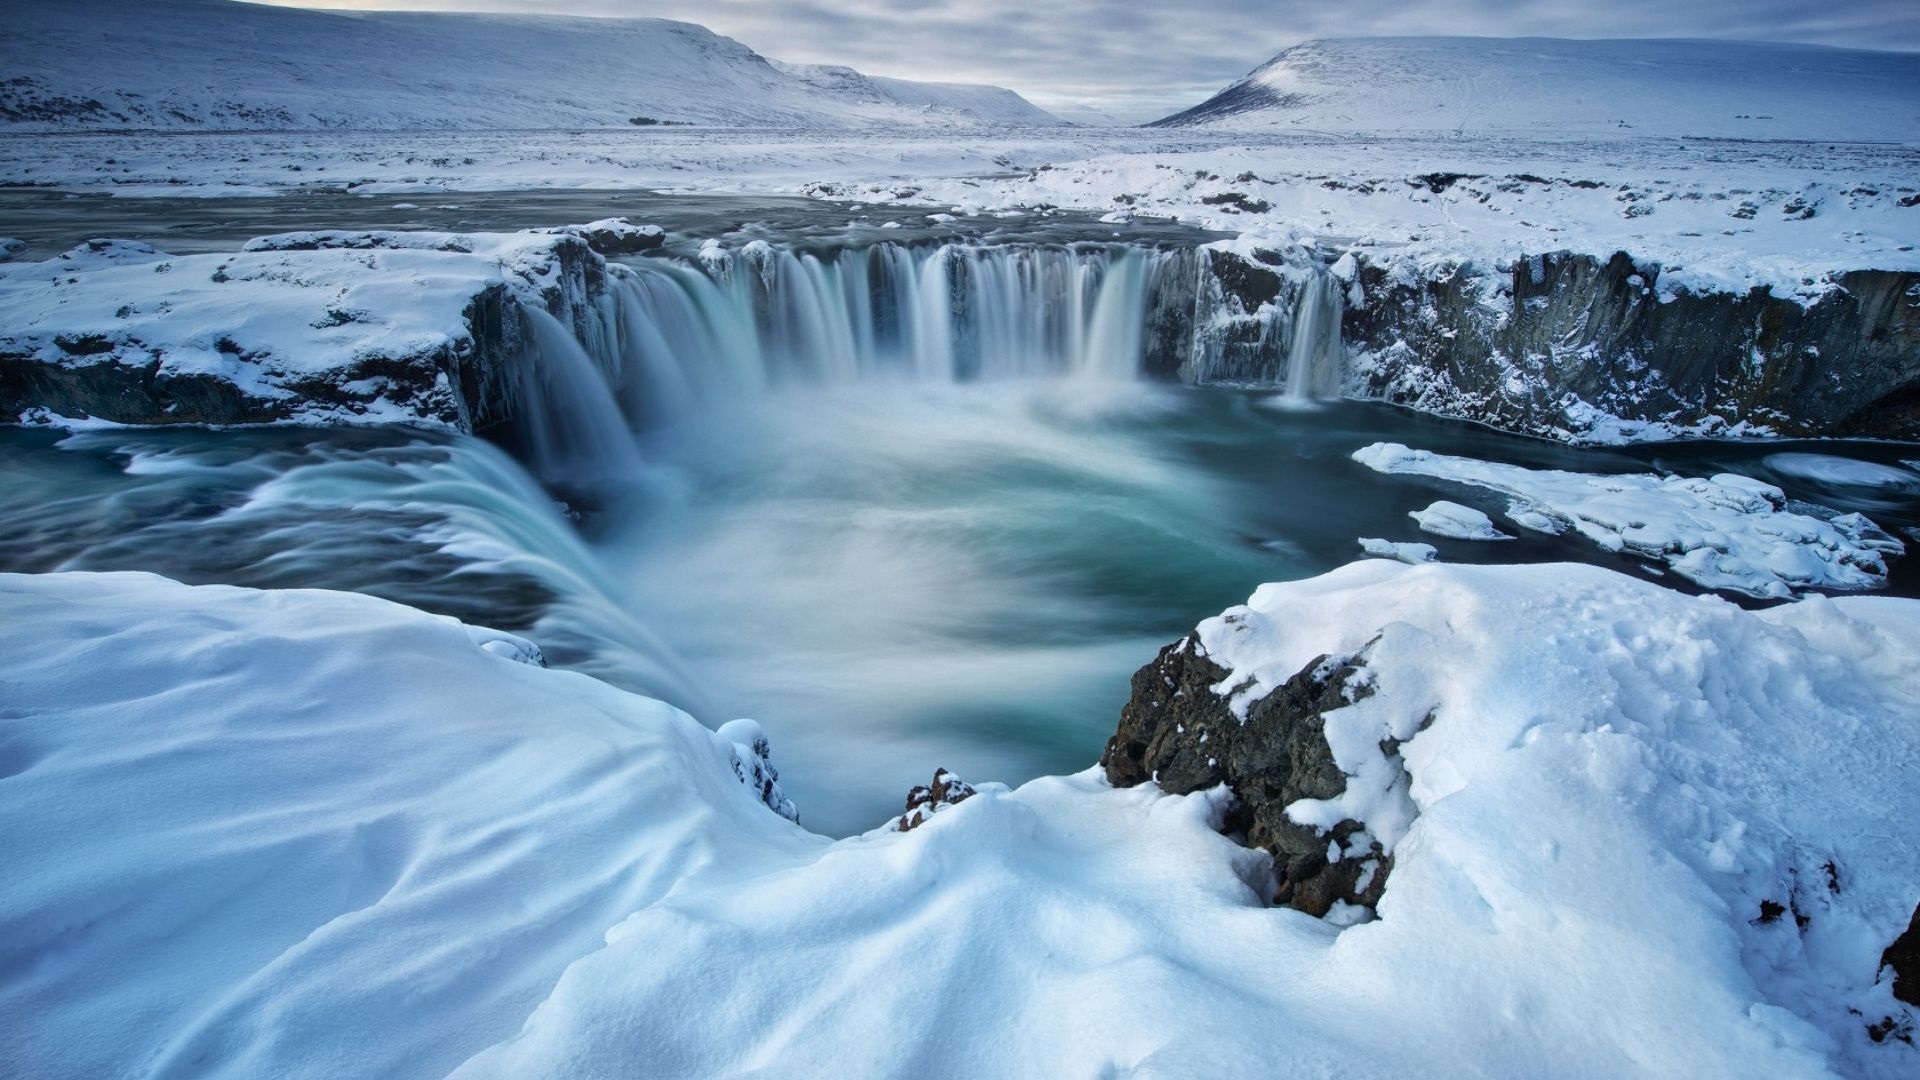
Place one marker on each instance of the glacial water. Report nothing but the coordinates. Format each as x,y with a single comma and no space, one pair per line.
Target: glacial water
904,496
894,576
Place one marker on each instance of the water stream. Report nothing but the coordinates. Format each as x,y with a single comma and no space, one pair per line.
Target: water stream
894,576
910,503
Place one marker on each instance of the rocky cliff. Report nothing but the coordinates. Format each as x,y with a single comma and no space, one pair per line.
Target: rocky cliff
1575,346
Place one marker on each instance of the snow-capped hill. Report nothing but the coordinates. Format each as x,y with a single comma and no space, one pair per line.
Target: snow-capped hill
988,104
1722,89
218,65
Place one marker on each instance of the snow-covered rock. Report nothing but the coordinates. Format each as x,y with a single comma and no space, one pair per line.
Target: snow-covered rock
314,327
1450,519
184,65
241,824
1184,731
1728,532
616,236
1410,552
925,800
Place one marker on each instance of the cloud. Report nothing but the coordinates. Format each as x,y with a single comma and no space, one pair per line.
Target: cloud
1138,61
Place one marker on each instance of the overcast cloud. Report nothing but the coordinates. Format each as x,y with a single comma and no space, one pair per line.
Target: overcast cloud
1138,61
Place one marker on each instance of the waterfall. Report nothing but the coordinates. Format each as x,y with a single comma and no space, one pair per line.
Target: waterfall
569,418
763,316
1314,349
667,338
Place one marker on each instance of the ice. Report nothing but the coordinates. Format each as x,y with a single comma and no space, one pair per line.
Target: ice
1729,532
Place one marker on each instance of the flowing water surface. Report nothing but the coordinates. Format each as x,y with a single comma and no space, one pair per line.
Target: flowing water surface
902,494
893,576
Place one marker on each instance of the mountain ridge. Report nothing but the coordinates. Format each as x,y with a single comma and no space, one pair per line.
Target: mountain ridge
1565,86
209,65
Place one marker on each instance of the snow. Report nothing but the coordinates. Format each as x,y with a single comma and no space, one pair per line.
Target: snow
1555,87
199,65
1406,552
1728,532
1720,221
287,309
1450,519
241,824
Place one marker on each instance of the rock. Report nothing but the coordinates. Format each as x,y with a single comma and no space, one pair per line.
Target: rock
617,236
1177,731
1903,956
1564,344
1413,554
752,760
925,799
10,248
311,327
1565,341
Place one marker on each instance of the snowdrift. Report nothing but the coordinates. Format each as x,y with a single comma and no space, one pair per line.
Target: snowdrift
314,834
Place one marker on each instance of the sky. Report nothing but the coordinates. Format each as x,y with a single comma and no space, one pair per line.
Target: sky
1137,60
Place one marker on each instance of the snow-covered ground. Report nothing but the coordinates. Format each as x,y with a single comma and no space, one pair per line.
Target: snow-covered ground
1728,532
1713,215
279,321
1555,86
299,833
189,65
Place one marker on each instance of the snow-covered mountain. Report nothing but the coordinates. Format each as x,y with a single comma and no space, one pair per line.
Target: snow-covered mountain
218,64
1725,89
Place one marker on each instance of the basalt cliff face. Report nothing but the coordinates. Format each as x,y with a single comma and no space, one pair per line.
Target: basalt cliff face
439,329
1575,346
296,328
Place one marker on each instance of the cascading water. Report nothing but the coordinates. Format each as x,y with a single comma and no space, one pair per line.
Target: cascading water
1315,351
746,320
909,505
572,425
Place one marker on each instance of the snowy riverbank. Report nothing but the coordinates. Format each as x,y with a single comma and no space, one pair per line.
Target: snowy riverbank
503,870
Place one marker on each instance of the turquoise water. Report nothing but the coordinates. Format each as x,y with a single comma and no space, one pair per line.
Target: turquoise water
892,578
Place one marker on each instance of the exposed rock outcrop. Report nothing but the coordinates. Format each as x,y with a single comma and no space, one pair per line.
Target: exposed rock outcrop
617,236
926,799
1903,958
338,327
1568,345
1525,350
1178,730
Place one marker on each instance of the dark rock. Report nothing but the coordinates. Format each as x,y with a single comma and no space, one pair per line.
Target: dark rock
922,802
1903,956
470,383
1438,182
1514,352
1529,348
1238,202
1177,731
619,236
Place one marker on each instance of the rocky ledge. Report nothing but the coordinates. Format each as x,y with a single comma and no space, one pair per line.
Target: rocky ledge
316,327
1179,730
1572,346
